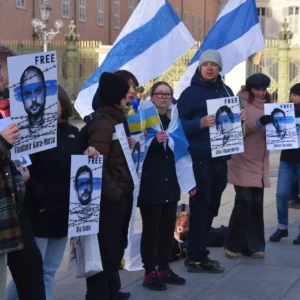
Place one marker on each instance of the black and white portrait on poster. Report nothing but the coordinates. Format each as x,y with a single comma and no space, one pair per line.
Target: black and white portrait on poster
226,136
85,195
33,101
281,133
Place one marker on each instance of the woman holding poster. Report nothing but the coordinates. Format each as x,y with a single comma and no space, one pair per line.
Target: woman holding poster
47,196
249,173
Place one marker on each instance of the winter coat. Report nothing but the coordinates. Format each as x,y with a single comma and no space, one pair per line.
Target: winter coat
159,182
10,233
192,107
49,184
116,178
251,168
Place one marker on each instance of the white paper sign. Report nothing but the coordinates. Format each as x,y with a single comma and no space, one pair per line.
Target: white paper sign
226,136
85,195
281,133
298,130
33,101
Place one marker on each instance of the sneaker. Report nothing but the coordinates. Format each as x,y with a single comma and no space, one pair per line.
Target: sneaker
153,282
214,262
296,241
278,235
258,254
124,295
204,267
168,276
231,254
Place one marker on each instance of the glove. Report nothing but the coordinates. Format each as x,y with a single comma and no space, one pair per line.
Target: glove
265,120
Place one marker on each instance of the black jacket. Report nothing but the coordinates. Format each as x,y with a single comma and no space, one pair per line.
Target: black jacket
49,184
159,182
292,155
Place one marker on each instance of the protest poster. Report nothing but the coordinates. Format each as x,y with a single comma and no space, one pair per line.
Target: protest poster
85,195
281,133
226,136
298,130
33,101
138,153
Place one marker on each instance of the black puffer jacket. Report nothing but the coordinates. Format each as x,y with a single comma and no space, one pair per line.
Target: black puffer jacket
49,184
159,182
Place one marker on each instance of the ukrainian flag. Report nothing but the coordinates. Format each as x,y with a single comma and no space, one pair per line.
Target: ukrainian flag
145,118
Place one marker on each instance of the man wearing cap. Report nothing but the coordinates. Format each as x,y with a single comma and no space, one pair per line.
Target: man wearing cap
289,168
210,173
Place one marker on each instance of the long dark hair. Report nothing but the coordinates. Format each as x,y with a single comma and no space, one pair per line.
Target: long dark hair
66,106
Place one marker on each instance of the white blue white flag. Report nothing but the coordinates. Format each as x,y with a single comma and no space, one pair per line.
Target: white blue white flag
153,38
178,144
236,35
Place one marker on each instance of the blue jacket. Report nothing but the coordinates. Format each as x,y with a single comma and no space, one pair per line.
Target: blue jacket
192,107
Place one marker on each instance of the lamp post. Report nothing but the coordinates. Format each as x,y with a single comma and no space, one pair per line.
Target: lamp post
40,25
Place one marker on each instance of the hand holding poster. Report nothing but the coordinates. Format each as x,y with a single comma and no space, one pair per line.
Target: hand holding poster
226,136
85,195
281,133
33,101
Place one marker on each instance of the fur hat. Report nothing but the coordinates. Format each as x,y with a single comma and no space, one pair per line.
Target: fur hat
211,56
112,89
258,80
295,89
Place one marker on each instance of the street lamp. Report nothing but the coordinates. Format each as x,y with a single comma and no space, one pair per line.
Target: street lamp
40,26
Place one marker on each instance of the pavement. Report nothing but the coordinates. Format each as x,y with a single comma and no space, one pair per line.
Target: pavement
276,277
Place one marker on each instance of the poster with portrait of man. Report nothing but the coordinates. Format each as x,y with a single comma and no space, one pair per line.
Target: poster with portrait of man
138,153
33,101
85,195
281,133
226,136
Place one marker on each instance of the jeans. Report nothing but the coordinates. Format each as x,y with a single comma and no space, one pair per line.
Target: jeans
3,274
26,267
211,179
286,174
158,234
52,251
295,190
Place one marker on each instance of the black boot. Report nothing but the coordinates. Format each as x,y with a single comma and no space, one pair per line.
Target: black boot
278,235
124,295
296,241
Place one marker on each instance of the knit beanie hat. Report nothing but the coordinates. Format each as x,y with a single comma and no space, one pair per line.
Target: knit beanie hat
112,89
295,89
211,56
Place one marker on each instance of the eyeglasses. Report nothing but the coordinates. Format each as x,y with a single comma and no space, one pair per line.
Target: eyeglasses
163,95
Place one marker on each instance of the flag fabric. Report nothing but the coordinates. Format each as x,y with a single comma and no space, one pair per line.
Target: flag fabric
179,145
146,117
153,38
236,35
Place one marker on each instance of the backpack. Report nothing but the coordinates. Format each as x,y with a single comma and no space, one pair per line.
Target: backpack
89,120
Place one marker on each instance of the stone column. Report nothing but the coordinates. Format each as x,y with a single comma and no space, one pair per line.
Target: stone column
283,62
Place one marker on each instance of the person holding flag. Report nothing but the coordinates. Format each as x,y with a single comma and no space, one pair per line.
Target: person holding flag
167,169
210,173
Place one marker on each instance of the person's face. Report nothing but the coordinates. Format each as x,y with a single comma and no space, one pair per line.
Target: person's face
162,97
3,72
210,71
295,98
278,122
226,124
259,93
85,188
33,94
131,92
139,95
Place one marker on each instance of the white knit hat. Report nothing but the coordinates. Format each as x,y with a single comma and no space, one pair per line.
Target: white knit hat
211,56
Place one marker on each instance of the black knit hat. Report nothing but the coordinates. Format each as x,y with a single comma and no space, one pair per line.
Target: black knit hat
295,89
258,80
112,89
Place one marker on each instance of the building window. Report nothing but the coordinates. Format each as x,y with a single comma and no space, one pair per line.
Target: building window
207,26
82,10
21,3
66,8
117,14
293,18
131,7
100,12
193,25
185,18
261,11
200,36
